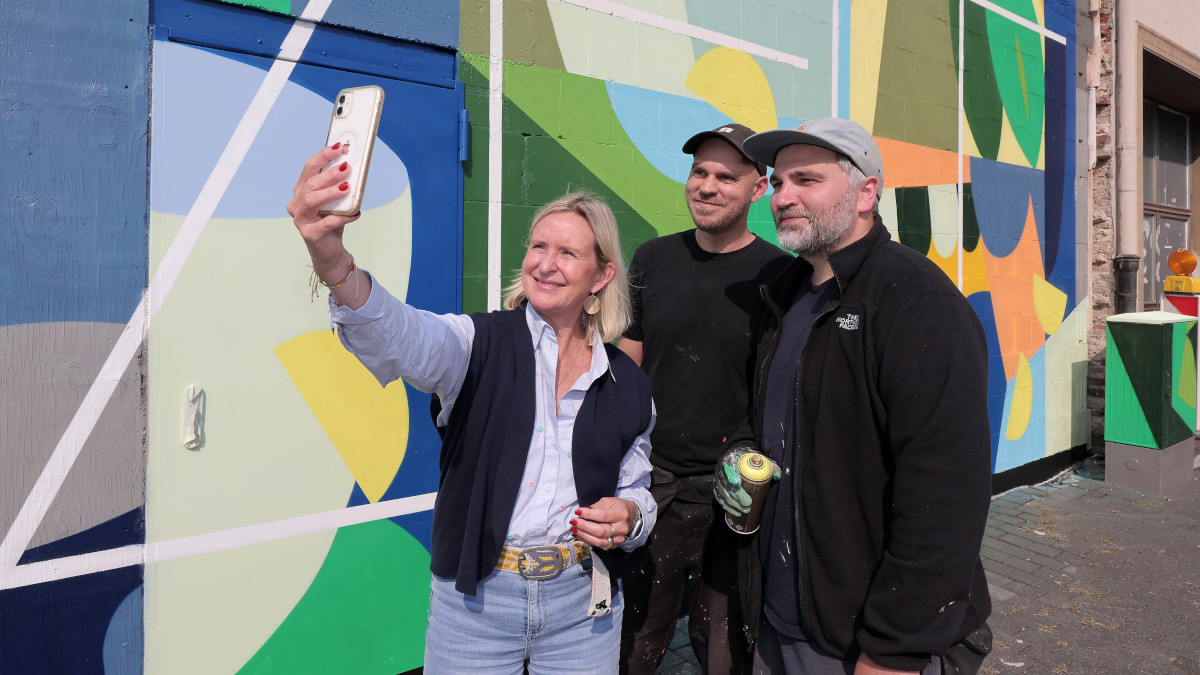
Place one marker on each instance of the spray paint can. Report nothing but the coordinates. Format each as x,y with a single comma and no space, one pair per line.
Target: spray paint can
755,470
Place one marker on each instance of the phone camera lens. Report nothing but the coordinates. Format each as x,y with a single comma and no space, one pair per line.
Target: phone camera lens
342,99
339,110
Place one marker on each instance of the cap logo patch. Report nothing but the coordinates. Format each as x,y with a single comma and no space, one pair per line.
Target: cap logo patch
725,130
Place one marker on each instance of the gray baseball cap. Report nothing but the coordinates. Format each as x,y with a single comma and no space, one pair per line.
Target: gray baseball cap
838,135
733,134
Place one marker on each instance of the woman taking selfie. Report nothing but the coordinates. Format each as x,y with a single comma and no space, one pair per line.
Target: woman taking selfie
545,436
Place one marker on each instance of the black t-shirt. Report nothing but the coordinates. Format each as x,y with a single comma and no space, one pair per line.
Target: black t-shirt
696,314
777,532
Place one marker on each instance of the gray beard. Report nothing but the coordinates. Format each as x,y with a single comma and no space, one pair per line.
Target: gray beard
825,229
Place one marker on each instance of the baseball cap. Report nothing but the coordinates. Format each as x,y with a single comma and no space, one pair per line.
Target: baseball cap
733,134
838,135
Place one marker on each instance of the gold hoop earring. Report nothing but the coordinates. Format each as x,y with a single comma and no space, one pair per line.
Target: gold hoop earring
591,304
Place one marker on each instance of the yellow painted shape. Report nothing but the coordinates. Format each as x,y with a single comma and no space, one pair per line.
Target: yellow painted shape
1018,327
368,424
975,277
1010,151
732,81
1020,408
969,147
867,18
1050,304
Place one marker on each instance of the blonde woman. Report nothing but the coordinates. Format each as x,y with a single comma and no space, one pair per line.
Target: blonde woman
545,427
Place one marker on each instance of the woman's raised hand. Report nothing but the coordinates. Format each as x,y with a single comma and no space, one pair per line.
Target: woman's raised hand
322,234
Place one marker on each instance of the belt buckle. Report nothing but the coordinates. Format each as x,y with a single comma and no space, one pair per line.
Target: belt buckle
539,563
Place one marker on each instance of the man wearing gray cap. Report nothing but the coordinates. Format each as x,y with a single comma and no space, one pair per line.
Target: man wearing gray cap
695,305
870,392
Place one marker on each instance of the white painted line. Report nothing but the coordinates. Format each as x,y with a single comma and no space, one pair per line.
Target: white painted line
50,481
495,149
70,444
833,63
1016,19
184,547
686,29
962,31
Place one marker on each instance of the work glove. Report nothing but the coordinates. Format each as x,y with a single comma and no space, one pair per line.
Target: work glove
727,480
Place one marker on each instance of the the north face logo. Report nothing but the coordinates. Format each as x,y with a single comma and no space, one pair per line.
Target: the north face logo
848,322
725,130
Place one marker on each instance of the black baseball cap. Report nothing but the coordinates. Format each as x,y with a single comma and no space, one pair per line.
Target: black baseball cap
733,134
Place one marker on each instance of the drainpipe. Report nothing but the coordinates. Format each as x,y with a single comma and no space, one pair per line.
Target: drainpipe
1129,210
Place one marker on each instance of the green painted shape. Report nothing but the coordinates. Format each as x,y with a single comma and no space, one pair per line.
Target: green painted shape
915,223
1148,354
918,79
365,612
574,113
279,6
970,220
1124,420
981,99
760,220
1020,74
1183,364
529,34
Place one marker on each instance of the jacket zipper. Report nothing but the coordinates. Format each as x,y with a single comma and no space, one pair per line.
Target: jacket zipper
757,427
796,462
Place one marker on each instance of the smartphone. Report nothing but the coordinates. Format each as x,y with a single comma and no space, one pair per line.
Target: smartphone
354,124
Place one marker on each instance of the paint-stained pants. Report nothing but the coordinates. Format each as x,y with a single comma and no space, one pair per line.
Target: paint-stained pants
688,539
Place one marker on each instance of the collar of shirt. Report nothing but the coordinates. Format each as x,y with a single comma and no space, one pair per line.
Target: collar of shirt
544,338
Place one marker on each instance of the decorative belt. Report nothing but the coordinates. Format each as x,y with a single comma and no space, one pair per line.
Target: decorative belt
539,563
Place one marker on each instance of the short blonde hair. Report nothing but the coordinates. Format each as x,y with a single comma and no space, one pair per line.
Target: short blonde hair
615,308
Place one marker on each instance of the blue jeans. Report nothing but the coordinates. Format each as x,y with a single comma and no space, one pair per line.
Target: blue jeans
510,621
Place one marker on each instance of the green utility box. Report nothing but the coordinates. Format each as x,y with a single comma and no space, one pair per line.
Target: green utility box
1150,400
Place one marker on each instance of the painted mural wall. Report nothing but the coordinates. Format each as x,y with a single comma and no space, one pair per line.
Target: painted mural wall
979,122
157,269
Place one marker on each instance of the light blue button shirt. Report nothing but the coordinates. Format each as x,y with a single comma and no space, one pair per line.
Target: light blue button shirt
432,351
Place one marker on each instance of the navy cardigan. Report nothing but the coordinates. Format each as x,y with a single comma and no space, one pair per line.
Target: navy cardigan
486,440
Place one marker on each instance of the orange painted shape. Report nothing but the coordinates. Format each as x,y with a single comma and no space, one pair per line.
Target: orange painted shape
910,165
1018,328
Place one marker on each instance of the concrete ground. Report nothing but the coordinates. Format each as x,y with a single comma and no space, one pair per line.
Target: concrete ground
1085,577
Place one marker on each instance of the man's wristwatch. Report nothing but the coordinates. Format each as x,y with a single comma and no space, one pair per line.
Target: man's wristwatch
637,524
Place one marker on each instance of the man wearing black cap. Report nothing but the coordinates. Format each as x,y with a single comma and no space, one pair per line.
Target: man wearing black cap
695,305
870,392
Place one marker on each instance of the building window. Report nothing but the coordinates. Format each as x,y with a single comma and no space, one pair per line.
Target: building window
1165,183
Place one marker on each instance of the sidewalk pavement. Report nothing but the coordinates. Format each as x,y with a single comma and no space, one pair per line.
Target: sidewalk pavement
1085,577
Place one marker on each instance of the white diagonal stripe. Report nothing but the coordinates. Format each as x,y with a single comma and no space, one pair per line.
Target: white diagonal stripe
50,481
1019,20
686,29
184,547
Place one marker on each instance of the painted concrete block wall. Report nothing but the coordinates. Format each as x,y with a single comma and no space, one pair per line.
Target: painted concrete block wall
601,94
591,93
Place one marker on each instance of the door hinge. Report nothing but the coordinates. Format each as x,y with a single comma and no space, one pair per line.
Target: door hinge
464,136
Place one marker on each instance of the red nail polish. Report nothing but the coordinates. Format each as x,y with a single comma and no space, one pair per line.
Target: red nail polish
335,146
574,531
344,166
344,186
573,523
579,512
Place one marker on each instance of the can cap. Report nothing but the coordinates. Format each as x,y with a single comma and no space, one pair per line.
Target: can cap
754,466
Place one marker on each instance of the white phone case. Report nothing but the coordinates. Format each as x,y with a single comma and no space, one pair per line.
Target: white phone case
354,124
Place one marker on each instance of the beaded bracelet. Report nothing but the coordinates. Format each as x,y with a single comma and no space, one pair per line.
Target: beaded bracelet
343,281
314,280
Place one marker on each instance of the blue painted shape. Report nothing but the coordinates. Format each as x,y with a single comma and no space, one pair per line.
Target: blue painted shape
60,626
659,124
432,22
124,530
240,29
1001,193
124,643
1032,444
183,159
997,385
1062,237
843,60
74,130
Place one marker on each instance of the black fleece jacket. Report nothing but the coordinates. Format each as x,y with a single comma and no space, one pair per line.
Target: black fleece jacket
892,457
